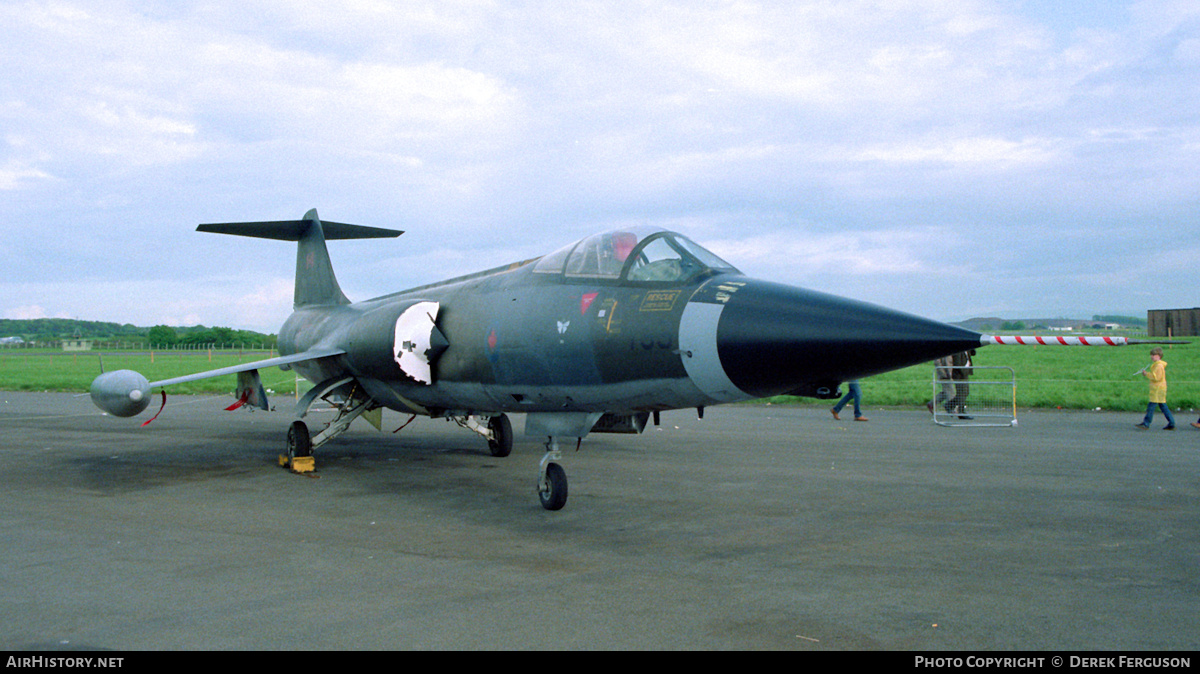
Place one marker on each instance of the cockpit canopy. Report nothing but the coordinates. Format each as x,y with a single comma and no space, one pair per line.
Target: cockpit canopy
634,255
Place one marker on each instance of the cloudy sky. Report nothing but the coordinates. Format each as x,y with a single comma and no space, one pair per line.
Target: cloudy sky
951,158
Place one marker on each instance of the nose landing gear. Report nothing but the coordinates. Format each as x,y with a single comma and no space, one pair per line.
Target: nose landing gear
552,479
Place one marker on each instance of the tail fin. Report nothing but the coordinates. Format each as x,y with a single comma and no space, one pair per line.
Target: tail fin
316,284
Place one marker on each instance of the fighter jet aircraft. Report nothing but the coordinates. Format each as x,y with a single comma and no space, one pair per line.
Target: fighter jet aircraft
597,336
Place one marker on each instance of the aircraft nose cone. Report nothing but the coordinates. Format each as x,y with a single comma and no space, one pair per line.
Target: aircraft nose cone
774,339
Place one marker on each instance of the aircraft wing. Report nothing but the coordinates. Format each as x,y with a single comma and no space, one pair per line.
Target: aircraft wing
124,393
311,354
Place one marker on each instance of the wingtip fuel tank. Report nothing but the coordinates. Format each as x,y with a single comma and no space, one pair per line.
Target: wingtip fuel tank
121,393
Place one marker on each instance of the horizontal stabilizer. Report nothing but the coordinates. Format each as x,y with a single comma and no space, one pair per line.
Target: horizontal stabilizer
292,230
316,284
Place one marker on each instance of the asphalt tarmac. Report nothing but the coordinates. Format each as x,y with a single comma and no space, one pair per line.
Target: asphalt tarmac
756,527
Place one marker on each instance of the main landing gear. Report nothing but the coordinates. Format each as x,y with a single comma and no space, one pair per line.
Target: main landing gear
299,458
300,444
496,430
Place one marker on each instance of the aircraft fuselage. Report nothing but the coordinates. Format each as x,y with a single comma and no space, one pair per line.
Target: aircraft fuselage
521,341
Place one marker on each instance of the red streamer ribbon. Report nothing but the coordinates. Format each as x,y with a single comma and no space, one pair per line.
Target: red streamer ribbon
160,409
241,401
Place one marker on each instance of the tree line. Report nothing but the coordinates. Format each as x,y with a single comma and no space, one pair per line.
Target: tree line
45,330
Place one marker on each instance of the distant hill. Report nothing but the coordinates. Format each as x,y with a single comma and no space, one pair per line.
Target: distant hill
66,328
57,329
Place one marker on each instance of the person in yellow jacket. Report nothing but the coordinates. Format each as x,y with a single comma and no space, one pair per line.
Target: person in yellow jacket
1156,372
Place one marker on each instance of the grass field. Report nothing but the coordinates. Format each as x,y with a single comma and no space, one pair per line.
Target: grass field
30,370
1070,377
1046,376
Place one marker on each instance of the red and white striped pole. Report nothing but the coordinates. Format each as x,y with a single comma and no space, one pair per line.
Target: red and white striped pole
1054,341
1068,341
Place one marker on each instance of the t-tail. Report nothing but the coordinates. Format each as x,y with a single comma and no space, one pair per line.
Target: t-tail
125,393
316,284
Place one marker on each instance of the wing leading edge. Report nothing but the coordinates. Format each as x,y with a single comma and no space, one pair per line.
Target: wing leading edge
311,354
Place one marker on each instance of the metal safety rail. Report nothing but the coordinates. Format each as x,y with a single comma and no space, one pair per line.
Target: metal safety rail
975,396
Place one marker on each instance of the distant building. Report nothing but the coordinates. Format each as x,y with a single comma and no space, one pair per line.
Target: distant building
1173,322
11,340
77,345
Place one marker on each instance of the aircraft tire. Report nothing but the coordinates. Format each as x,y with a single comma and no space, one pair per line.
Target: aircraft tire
501,429
299,442
554,494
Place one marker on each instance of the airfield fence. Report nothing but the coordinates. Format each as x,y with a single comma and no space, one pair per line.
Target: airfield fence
985,396
56,370
101,346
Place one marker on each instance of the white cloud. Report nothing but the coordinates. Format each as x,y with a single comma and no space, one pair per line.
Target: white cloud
796,252
30,312
14,175
988,152
251,301
484,127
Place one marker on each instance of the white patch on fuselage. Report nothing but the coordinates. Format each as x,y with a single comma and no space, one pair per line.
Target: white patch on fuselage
698,349
414,330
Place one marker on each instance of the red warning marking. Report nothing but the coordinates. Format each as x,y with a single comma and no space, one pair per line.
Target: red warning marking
586,301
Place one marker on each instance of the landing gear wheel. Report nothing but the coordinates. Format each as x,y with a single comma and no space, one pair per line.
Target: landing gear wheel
502,436
553,488
299,443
